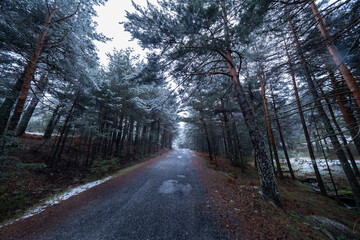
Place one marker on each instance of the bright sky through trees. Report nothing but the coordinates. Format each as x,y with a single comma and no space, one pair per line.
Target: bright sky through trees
108,20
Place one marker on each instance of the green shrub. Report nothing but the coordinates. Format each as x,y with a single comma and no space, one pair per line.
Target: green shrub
11,201
102,167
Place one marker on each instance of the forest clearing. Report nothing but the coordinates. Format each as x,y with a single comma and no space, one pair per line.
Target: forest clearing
257,101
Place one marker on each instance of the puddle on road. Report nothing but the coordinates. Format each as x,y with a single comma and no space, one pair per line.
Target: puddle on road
171,186
181,176
179,156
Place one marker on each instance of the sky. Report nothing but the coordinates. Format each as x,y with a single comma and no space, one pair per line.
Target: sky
108,20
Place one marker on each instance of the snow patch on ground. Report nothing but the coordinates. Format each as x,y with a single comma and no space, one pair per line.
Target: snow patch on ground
303,165
57,199
35,133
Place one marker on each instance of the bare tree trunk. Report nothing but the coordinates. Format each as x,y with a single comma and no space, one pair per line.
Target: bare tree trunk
124,135
157,136
267,175
136,141
346,73
119,135
130,139
205,129
20,130
349,119
326,161
282,140
223,135
150,141
143,140
305,129
29,71
270,148
347,148
270,131
213,144
328,127
63,134
53,121
89,149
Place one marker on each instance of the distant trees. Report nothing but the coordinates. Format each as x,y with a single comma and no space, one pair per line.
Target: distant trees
205,41
202,38
51,72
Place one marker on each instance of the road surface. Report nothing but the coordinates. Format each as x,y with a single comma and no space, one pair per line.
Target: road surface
162,200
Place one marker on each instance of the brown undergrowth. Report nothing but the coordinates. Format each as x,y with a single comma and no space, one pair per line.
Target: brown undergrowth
242,211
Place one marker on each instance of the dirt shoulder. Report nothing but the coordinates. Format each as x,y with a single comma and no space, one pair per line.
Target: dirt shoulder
235,197
29,228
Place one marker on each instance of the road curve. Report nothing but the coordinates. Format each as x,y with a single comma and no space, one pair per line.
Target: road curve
165,200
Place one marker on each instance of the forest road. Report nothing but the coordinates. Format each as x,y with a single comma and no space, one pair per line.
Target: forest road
161,200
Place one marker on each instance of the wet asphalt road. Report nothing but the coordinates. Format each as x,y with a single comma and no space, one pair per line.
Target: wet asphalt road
165,201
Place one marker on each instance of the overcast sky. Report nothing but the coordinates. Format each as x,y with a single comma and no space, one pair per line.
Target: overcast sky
108,20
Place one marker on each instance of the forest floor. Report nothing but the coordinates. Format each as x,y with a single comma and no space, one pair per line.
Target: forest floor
27,181
235,196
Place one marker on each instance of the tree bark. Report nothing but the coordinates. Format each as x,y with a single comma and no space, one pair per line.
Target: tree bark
29,71
282,137
271,134
347,148
267,175
305,129
55,117
205,129
349,119
143,140
130,139
57,154
120,133
336,56
24,121
326,161
328,127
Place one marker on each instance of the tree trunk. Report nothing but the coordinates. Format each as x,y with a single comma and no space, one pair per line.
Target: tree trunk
151,134
326,161
157,136
143,140
267,175
346,73
270,149
328,127
20,130
28,74
349,119
282,140
347,148
305,129
136,141
271,134
223,135
89,148
130,139
63,133
205,129
55,118
124,135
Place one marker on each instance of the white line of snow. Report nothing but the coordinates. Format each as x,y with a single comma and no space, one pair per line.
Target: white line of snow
57,199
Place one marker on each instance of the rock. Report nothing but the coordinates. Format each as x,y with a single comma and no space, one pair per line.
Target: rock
331,228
